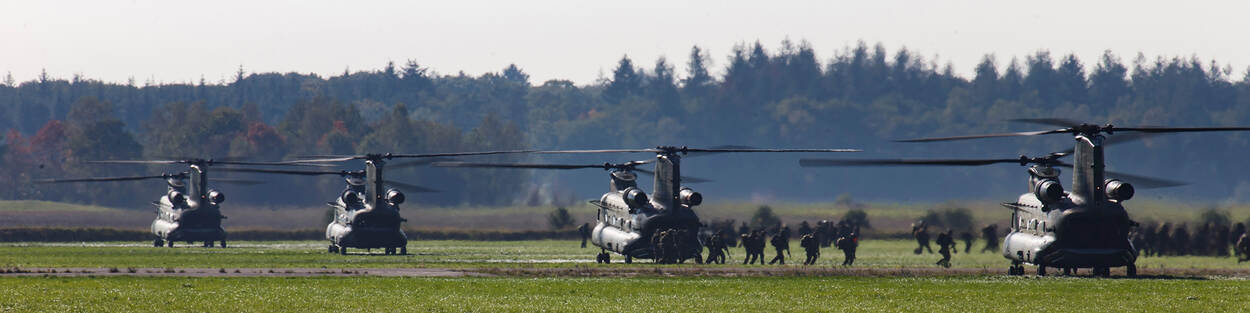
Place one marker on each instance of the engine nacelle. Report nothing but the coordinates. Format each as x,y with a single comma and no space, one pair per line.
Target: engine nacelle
1118,190
1049,191
689,197
635,197
394,196
350,197
216,196
177,198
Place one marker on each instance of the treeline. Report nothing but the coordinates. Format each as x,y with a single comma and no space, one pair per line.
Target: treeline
787,97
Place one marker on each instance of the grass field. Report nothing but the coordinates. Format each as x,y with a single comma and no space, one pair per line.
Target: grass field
469,254
514,292
683,294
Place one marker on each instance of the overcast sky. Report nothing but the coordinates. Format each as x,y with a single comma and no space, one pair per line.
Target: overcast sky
180,41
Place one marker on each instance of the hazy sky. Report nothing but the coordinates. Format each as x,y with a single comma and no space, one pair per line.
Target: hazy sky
180,41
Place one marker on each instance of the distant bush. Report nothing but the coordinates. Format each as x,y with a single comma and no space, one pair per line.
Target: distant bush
560,219
764,218
953,218
858,217
1213,215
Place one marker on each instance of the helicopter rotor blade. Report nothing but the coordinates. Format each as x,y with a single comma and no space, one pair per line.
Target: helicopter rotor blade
519,165
326,160
1015,134
718,150
892,162
596,151
1138,181
1159,130
287,172
409,187
684,178
455,154
134,162
1115,140
101,179
420,162
271,163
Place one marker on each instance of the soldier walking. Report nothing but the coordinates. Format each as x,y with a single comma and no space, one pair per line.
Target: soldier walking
921,233
716,249
668,242
747,247
584,231
1243,247
990,234
657,248
1238,229
757,246
781,243
849,244
811,246
967,238
945,244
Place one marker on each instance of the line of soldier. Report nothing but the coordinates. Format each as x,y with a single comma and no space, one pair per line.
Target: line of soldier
843,235
1210,239
946,241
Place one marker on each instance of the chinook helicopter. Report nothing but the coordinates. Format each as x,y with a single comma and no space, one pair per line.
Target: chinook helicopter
187,212
627,217
1086,227
367,211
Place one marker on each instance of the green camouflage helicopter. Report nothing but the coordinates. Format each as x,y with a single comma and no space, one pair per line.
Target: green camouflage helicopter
628,217
189,210
366,213
1086,227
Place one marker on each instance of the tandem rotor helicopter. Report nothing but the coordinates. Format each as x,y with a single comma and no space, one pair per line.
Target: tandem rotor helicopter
627,216
187,212
1086,227
367,211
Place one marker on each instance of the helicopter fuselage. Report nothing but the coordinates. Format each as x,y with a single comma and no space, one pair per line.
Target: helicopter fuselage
1069,235
628,231
187,221
360,225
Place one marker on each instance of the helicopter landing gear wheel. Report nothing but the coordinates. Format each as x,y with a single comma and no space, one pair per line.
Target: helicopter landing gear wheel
1041,270
1067,271
169,243
629,259
1016,269
342,250
208,244
389,251
403,250
223,243
158,243
332,249
1130,270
